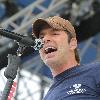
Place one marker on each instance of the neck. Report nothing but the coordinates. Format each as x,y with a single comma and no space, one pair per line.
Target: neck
59,69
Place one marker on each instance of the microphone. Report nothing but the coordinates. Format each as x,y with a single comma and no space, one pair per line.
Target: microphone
25,40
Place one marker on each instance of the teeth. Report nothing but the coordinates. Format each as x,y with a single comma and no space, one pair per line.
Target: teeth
50,49
46,49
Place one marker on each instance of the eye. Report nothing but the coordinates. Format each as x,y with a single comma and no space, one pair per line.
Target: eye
55,33
41,36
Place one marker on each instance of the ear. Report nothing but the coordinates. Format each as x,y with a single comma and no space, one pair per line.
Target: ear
73,43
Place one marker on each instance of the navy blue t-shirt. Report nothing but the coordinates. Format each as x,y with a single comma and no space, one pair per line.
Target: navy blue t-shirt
77,83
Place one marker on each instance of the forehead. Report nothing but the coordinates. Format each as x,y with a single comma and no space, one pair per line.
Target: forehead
46,30
52,31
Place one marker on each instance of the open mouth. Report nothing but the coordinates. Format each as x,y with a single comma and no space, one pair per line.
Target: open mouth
50,50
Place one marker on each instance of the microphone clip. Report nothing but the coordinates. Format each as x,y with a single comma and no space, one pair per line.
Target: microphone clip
38,44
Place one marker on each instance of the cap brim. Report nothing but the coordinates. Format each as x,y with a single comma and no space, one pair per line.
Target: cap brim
38,25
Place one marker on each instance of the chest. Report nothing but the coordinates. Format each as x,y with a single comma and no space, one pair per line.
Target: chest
74,88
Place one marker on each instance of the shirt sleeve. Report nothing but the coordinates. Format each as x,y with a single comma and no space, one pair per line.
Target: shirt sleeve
97,76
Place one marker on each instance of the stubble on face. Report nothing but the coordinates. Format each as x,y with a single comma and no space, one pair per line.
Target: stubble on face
61,55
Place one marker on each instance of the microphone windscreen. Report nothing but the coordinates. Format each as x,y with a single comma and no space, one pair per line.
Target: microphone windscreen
13,63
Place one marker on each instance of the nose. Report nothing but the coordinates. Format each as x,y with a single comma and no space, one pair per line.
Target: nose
47,38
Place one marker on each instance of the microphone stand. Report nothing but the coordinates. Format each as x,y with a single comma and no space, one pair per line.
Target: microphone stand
14,62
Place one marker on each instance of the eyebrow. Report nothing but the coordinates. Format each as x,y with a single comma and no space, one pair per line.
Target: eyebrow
51,30
41,33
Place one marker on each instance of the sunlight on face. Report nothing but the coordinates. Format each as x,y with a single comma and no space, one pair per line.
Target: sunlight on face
58,40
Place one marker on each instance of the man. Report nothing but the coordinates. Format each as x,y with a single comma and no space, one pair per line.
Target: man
72,81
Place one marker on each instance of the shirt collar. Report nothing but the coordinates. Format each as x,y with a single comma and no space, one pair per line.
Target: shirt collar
67,73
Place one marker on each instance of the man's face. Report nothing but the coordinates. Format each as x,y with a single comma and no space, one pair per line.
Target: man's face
56,49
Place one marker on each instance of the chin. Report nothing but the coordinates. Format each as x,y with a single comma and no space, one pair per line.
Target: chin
51,64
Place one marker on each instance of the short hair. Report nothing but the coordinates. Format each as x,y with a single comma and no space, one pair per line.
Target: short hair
70,36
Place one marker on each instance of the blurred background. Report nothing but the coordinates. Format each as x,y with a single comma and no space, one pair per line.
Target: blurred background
34,77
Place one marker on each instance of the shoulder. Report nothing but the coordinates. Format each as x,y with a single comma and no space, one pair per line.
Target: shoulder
93,65
92,68
95,72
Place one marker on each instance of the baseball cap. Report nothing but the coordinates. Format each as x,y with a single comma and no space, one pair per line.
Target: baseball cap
54,22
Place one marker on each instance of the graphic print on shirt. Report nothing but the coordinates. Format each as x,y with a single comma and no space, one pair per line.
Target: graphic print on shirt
75,89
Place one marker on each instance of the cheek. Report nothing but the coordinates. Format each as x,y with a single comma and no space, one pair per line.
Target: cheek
64,47
64,43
